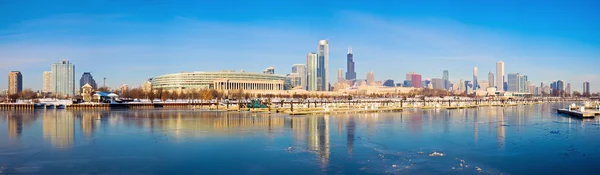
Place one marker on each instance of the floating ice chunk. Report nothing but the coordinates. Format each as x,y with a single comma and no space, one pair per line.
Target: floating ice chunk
394,166
436,154
479,170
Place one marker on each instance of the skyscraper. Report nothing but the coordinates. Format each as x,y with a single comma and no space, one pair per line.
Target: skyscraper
500,76
63,78
568,89
446,79
370,78
300,69
340,75
87,78
513,82
461,86
311,72
350,74
409,75
47,82
560,87
437,83
15,82
522,83
416,80
323,65
483,84
586,88
491,79
475,80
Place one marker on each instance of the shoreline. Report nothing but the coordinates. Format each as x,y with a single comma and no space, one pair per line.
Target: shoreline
296,108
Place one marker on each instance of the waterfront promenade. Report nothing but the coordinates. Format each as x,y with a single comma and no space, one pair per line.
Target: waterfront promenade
310,106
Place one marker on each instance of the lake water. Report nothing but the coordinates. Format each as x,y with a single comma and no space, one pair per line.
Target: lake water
489,140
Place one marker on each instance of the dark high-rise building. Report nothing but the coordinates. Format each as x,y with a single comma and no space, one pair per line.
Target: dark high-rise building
323,66
389,83
87,78
350,74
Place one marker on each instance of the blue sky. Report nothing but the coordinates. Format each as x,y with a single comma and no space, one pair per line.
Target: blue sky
128,42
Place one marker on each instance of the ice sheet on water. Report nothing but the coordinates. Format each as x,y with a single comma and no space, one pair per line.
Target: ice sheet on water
436,154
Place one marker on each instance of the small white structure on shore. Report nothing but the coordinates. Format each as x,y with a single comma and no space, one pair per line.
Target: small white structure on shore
113,97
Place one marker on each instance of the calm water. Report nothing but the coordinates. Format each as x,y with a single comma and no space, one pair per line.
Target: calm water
513,140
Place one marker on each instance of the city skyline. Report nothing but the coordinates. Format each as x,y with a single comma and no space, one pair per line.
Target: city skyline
529,48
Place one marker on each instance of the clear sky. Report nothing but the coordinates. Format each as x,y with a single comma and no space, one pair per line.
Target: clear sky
128,42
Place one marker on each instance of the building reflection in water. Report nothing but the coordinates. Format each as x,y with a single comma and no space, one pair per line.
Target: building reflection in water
17,121
88,123
500,128
59,128
15,126
190,124
476,126
318,137
299,126
350,134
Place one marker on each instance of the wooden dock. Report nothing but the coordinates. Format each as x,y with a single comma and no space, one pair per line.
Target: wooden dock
585,114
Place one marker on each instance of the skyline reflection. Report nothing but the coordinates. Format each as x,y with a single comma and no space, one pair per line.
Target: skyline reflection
359,139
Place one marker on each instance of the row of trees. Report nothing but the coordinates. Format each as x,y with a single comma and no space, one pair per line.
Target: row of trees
210,94
26,94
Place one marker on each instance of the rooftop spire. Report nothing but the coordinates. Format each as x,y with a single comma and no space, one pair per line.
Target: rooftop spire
349,49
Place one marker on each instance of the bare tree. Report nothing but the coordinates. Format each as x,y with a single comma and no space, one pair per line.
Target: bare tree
103,89
576,94
28,94
206,95
14,97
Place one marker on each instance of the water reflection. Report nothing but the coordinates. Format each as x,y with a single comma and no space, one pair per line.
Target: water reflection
500,133
350,130
15,126
371,140
59,129
17,122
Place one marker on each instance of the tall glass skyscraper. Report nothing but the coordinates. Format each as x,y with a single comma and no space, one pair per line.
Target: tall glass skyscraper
522,83
63,78
586,88
323,65
560,87
350,74
475,80
87,78
446,79
311,72
513,81
300,69
500,76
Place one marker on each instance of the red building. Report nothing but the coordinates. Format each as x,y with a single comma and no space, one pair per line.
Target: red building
416,80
